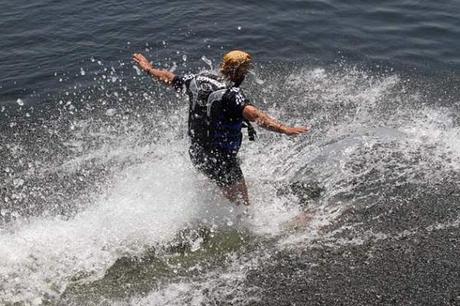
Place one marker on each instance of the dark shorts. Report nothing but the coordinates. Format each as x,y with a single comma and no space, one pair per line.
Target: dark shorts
222,168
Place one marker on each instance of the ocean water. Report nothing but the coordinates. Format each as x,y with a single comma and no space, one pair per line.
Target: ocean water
99,203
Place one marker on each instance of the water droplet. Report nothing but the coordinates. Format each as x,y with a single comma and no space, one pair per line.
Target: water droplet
18,182
207,61
110,112
239,28
138,71
82,72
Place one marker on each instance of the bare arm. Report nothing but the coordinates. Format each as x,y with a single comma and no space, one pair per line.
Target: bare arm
162,75
252,113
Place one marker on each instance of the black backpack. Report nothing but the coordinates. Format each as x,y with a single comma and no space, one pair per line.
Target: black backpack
205,91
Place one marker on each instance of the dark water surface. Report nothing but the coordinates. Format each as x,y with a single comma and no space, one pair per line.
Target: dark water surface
44,38
99,204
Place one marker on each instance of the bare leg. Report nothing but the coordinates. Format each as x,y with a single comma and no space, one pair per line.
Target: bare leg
237,193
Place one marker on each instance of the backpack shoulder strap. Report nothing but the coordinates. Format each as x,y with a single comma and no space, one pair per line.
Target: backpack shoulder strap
194,90
203,85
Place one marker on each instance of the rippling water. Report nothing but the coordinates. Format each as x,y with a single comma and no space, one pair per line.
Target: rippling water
99,204
45,38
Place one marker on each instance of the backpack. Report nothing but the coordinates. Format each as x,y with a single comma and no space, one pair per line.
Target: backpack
206,92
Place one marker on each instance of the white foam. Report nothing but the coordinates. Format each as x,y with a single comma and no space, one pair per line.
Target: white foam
435,128
146,206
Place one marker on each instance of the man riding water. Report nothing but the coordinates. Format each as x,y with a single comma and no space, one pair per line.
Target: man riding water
218,111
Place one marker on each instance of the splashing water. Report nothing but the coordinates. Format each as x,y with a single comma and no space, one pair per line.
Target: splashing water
115,182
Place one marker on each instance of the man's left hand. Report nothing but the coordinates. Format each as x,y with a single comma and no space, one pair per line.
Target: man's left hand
294,131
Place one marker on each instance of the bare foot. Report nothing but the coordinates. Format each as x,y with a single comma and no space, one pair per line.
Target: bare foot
299,221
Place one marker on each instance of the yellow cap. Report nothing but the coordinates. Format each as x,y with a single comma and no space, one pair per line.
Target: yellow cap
237,58
234,59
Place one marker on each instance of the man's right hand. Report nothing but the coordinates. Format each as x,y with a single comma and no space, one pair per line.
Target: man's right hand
142,62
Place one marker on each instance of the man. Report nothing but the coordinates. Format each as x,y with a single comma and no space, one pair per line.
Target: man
218,110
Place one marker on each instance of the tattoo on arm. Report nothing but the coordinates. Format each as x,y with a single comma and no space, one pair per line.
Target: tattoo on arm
268,122
251,113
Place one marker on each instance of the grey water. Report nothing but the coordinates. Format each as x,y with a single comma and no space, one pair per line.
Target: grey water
99,204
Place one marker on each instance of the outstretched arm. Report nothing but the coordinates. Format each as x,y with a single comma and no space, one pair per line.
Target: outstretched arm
164,76
252,113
